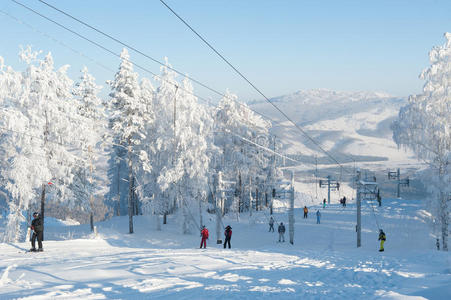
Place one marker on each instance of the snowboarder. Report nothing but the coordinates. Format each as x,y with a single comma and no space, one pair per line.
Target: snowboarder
281,231
305,212
38,232
382,239
324,203
204,235
271,225
318,217
344,201
228,236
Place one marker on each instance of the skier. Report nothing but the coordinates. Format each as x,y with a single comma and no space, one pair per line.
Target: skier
228,236
271,225
382,239
38,228
324,203
305,212
318,217
344,201
204,235
281,231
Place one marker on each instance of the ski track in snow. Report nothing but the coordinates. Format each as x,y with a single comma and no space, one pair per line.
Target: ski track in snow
322,264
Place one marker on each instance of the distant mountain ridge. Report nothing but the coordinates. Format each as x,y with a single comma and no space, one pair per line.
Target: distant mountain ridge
353,124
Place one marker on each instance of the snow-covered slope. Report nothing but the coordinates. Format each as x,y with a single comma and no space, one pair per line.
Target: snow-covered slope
351,123
323,263
352,126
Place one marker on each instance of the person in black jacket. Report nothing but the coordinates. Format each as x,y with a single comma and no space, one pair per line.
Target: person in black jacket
228,236
281,231
38,229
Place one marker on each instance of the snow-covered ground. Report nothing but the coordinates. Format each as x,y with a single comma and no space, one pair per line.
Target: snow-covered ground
323,263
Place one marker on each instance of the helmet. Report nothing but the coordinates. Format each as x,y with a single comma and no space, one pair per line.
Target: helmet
35,214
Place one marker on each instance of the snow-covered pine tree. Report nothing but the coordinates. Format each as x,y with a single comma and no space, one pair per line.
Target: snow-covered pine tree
237,128
38,147
88,177
128,123
193,126
164,175
424,125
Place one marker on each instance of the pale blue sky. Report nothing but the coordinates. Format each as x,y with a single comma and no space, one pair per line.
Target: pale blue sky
282,46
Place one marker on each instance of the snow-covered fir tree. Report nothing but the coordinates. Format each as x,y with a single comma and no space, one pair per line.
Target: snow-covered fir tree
424,125
162,137
192,128
37,148
88,175
238,132
128,123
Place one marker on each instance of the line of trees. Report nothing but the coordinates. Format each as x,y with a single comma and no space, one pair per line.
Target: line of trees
142,149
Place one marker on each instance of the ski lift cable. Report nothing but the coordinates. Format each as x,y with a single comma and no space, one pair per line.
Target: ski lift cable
42,156
253,86
264,148
372,208
98,45
132,48
374,214
150,57
102,47
124,147
61,144
56,40
138,66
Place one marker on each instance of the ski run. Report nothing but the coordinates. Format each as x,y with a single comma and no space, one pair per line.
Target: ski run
110,192
323,263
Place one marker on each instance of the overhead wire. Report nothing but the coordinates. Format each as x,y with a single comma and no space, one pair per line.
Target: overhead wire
55,40
117,40
102,47
111,52
132,48
137,51
252,85
137,65
149,57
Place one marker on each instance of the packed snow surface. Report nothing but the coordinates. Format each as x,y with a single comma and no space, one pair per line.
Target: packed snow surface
323,263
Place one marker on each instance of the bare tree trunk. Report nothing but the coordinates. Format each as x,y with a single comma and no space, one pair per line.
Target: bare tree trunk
444,214
130,188
256,199
118,205
240,199
445,220
43,208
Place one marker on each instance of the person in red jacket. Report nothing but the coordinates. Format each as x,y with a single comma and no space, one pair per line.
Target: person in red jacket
204,235
228,235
